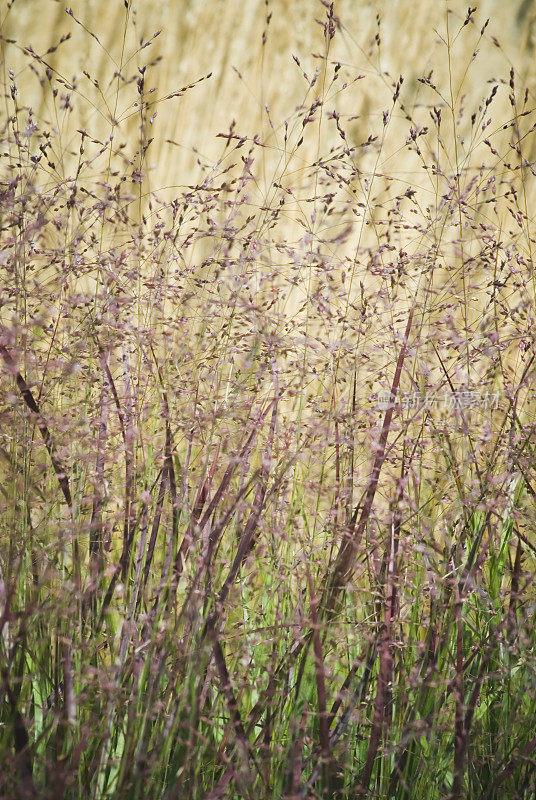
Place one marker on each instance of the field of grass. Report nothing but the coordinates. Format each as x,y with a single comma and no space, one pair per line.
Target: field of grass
267,440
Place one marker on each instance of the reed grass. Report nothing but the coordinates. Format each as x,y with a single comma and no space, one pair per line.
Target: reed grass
267,436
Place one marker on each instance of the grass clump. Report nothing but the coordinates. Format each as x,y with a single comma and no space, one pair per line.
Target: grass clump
267,444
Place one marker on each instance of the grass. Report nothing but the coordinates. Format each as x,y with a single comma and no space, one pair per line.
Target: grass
267,444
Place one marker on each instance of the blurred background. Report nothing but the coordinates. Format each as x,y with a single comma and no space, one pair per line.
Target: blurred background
248,47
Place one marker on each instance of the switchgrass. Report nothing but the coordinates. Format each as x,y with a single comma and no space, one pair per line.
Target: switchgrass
267,439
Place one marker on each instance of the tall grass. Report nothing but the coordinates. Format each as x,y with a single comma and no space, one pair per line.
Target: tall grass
267,438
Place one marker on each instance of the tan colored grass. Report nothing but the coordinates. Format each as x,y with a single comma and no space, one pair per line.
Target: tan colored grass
216,36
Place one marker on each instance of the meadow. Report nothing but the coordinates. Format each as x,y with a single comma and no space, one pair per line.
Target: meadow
267,406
